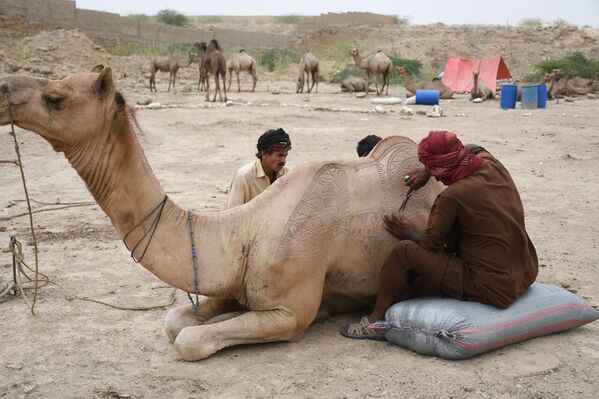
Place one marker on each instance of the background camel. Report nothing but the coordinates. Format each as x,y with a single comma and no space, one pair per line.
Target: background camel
242,61
445,92
562,84
353,84
308,66
212,63
317,251
170,64
376,64
480,89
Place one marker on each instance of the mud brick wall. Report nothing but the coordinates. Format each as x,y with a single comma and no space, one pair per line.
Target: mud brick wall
65,14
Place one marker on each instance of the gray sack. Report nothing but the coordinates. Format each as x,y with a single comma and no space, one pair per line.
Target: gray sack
454,329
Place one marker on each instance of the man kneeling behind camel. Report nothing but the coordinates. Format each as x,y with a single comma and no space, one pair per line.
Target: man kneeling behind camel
475,246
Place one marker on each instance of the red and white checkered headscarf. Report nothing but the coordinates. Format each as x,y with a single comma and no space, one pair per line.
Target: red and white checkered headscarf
444,155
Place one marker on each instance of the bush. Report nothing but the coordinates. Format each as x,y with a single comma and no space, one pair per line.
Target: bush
277,57
288,19
171,17
344,73
403,20
531,22
560,23
575,62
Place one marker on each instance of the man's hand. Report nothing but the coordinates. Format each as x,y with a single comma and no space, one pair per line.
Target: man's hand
417,178
396,225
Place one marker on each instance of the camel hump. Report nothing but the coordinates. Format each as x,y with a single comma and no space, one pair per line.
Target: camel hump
388,143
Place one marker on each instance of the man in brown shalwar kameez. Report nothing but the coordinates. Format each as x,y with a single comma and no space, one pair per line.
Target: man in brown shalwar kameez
475,246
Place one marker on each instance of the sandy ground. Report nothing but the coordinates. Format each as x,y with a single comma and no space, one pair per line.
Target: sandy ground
75,349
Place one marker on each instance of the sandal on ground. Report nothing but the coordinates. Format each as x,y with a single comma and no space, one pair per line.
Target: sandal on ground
362,329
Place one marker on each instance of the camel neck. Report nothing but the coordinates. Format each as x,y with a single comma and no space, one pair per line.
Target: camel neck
119,177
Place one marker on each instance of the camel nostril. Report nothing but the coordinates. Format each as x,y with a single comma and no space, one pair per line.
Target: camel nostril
4,89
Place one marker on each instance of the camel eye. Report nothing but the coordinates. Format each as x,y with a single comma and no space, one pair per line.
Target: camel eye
53,99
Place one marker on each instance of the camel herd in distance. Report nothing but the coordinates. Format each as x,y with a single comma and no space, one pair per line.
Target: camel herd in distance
377,65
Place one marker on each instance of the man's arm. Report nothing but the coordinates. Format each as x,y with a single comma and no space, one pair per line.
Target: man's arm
237,192
400,228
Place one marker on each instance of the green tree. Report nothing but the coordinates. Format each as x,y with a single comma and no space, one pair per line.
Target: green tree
171,17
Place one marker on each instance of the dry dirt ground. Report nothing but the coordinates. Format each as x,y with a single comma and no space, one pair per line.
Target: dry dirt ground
76,349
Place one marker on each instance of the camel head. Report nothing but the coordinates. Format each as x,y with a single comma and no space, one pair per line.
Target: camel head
201,46
403,71
354,52
65,112
475,74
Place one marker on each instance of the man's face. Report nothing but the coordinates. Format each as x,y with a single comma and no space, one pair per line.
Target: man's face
274,162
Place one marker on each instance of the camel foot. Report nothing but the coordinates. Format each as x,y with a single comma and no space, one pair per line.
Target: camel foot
207,312
199,342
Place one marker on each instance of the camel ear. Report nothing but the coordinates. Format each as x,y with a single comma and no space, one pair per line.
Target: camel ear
104,83
98,68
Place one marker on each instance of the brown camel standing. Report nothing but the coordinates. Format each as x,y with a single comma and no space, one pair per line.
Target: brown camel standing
213,63
480,89
263,272
376,64
242,61
168,64
445,92
308,66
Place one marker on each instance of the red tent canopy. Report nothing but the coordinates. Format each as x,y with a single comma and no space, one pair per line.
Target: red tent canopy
458,72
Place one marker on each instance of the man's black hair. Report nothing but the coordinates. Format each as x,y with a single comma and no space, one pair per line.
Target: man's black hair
367,144
270,138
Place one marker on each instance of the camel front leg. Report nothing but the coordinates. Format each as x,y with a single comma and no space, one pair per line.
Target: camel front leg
184,316
199,342
308,88
238,84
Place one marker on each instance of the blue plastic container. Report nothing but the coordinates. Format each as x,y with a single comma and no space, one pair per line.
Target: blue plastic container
530,96
508,96
427,97
542,95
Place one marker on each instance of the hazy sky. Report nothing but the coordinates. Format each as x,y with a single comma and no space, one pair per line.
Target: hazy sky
579,12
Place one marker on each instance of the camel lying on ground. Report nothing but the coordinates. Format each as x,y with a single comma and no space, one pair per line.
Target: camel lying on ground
168,64
264,272
480,88
242,61
308,66
445,92
375,65
212,63
565,84
353,84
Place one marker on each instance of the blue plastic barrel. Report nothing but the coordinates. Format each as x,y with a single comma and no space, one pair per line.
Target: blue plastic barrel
530,96
542,95
508,96
427,97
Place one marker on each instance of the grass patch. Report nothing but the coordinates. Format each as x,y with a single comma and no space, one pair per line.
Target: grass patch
531,22
288,19
575,62
279,57
125,48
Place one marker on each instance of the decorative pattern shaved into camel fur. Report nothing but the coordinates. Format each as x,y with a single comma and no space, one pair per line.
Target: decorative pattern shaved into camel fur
321,214
328,207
